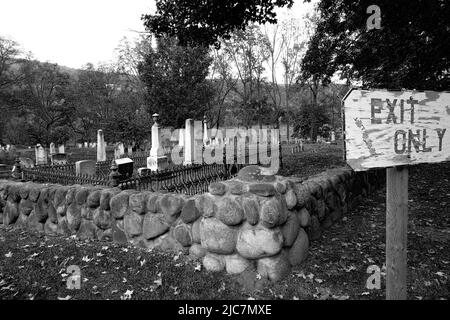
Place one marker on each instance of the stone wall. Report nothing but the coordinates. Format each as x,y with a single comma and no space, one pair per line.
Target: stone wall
255,220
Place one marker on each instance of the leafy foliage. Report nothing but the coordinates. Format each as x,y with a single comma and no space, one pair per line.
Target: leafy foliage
410,50
46,102
175,77
203,22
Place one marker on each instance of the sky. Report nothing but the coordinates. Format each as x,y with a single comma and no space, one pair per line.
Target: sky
75,32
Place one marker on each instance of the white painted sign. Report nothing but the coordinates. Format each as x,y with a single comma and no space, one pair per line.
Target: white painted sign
393,128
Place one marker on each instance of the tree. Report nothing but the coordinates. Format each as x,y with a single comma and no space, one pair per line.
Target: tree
9,54
295,36
128,125
95,90
175,77
46,101
223,83
203,22
308,116
248,53
9,77
129,56
411,50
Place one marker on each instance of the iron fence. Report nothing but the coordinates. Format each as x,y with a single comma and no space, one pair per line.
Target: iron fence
190,179
67,168
47,175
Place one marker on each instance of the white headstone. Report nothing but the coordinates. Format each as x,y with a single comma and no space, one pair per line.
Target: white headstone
52,148
156,151
41,155
61,149
101,146
156,160
181,137
205,132
189,142
85,167
119,150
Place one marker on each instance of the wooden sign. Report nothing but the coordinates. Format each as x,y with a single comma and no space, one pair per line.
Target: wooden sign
392,128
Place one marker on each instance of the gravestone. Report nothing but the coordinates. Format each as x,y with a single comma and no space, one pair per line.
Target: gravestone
130,150
61,149
125,168
85,167
198,141
181,137
206,134
157,160
119,150
144,171
101,146
58,158
189,142
41,155
52,148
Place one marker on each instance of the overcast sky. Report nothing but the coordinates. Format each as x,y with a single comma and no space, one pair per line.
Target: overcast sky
74,32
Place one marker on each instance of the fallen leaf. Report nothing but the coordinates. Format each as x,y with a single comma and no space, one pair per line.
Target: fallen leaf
127,295
86,259
158,281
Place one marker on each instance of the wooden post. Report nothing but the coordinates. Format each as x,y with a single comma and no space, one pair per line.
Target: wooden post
396,232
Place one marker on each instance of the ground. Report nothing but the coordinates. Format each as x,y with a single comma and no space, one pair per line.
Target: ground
35,267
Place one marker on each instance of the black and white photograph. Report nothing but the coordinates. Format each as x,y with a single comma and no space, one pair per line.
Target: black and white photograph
224,158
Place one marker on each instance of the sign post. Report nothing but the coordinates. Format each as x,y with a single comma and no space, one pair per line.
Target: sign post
396,232
394,129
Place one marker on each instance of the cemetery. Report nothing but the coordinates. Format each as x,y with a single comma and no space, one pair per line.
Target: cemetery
184,170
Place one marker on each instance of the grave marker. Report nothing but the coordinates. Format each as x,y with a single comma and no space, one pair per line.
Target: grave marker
189,142
41,155
157,160
125,168
119,150
393,129
85,167
101,146
52,148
